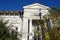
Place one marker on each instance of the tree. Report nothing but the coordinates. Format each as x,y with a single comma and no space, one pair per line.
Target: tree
48,32
5,33
54,16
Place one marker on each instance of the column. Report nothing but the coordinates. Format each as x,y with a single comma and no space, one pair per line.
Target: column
25,29
40,30
30,26
30,30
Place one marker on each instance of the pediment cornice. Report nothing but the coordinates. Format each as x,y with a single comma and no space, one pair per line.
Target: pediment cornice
36,5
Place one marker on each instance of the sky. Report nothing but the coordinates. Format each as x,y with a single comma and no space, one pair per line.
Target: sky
18,4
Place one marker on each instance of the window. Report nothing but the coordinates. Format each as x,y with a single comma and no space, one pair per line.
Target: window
40,15
16,28
6,13
11,13
1,13
16,14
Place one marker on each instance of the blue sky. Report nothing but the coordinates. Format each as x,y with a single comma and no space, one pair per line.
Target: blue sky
18,4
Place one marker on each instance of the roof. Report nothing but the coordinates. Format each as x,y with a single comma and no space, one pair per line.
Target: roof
36,5
9,11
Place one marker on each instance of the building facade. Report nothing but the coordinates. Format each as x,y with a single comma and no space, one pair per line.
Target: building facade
24,22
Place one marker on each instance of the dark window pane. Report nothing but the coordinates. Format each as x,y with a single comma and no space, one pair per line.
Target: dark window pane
1,13
6,13
11,13
16,14
40,15
16,28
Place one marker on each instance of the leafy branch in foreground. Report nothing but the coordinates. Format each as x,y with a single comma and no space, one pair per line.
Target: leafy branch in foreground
5,33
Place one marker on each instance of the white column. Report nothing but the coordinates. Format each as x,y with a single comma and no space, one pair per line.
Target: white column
40,30
30,26
30,30
25,29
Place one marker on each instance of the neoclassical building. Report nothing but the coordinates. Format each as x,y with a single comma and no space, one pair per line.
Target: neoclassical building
24,22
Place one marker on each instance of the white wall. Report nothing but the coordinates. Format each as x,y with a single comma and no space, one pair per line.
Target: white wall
13,20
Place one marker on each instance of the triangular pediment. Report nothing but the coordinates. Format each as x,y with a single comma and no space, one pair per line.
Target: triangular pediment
36,5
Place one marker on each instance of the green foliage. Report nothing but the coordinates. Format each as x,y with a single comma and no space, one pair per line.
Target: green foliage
54,33
4,32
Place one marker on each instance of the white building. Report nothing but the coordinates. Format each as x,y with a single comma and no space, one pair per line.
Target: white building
24,24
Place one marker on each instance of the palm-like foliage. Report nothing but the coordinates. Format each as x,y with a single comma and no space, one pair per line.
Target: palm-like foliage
4,32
